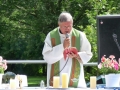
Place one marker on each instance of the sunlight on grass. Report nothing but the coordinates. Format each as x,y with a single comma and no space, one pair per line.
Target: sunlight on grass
35,80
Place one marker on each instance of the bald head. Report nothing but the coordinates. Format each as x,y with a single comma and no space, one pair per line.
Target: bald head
65,17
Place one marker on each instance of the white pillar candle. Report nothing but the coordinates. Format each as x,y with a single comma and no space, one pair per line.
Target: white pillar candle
93,82
1,75
12,84
64,80
56,82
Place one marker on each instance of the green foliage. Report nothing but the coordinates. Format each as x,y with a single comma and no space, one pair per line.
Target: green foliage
1,70
108,71
35,81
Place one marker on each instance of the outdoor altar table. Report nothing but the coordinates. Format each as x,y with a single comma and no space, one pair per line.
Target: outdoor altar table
98,87
39,88
58,89
35,88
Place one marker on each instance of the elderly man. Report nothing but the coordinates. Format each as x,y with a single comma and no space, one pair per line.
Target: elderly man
59,48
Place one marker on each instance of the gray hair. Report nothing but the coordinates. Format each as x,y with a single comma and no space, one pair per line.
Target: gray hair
64,17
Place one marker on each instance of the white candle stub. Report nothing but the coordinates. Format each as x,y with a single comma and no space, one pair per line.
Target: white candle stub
93,82
12,84
56,82
64,80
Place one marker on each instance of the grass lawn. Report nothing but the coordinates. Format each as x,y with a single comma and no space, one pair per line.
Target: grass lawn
35,80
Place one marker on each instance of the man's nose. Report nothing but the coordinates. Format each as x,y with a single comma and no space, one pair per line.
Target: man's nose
67,28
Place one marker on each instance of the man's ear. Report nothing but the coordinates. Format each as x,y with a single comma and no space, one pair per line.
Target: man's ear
58,23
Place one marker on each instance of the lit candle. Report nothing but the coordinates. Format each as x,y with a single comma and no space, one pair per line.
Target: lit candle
64,80
56,81
12,84
93,82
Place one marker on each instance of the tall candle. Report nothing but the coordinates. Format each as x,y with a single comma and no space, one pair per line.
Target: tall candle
64,80
56,81
93,82
12,84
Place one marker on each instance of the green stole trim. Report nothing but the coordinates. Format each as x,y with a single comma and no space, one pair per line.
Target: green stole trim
75,69
55,40
75,41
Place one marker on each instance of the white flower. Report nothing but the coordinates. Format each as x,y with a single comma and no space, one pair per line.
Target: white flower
100,66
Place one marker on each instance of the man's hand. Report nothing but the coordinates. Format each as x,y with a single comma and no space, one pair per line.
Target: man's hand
70,52
66,43
72,55
76,56
73,52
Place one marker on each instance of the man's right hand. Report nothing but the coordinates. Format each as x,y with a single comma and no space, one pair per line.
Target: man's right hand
66,43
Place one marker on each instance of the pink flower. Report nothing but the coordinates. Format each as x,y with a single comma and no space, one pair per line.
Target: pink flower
3,64
116,67
103,59
109,65
111,57
1,58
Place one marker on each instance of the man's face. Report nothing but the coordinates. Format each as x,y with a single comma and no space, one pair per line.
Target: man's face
66,27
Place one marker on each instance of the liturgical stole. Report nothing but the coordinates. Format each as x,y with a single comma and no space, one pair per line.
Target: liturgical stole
75,69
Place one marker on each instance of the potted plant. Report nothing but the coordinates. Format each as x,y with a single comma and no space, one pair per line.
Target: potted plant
3,65
110,68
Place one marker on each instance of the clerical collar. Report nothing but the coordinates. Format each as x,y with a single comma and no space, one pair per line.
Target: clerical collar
63,35
60,31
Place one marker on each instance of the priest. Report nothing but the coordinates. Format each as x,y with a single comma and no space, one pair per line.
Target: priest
65,50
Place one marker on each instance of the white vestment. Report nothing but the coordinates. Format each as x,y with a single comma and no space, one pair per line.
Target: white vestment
54,54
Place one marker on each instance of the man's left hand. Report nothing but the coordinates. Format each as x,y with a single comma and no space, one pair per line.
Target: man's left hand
72,55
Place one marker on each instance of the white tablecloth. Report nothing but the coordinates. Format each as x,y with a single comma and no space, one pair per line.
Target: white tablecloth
6,87
39,88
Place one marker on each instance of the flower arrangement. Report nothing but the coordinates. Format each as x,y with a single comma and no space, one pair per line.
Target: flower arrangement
109,65
3,65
